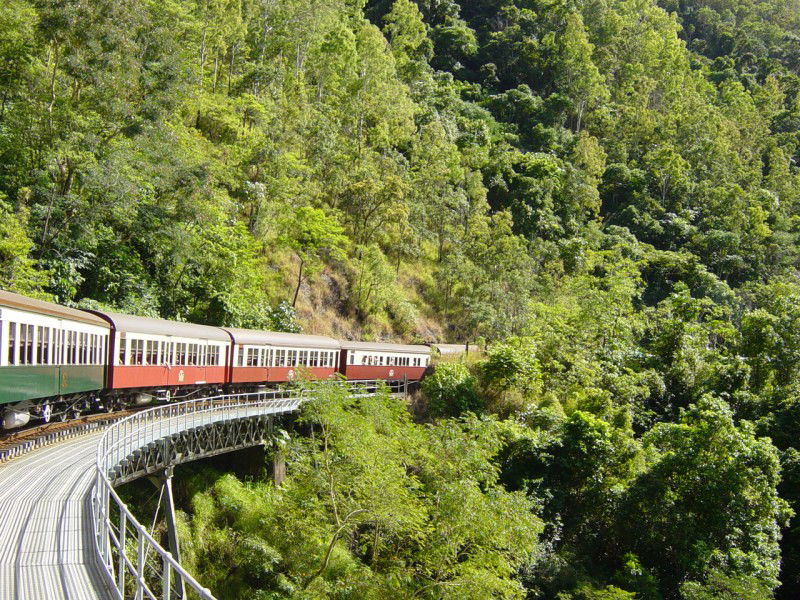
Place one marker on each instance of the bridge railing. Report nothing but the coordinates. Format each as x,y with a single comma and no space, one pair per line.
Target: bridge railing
132,560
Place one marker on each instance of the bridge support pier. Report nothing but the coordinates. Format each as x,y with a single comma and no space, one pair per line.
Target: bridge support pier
278,464
164,480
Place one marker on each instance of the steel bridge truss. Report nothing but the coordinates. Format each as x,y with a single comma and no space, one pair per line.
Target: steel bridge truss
151,443
193,444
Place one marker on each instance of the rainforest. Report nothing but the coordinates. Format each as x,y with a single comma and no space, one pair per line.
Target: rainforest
601,196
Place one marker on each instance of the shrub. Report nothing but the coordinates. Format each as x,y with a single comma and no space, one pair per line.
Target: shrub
450,391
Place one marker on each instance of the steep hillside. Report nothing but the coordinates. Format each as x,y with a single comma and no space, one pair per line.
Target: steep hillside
608,191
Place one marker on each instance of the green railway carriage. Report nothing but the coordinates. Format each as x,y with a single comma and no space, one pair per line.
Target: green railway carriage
50,355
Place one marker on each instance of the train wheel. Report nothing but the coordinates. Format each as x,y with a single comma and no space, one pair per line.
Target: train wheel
47,412
63,415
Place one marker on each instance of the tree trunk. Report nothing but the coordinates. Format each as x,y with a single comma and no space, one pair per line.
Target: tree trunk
230,67
332,543
299,281
216,65
52,87
202,56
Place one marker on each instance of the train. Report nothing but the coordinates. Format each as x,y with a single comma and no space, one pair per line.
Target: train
57,362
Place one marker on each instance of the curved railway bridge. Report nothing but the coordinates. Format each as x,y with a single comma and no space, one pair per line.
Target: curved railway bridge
67,534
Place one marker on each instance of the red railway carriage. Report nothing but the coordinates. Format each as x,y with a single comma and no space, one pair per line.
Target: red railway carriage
374,360
268,356
162,355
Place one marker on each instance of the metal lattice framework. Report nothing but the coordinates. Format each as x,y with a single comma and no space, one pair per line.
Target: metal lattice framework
134,563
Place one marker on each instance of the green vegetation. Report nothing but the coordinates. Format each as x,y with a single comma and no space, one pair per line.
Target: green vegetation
376,506
605,191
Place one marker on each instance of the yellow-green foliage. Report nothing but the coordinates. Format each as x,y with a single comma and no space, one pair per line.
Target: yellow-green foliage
374,505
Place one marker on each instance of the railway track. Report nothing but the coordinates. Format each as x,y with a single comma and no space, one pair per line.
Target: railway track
18,442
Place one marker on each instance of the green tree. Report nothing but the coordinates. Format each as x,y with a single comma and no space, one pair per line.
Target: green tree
450,390
18,272
309,232
708,499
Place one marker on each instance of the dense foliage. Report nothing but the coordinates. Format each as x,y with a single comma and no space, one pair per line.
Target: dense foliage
371,510
614,183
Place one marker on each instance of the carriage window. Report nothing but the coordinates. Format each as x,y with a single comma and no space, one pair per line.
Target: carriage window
25,344
22,331
137,352
240,360
80,345
180,354
212,358
12,338
41,347
252,357
152,352
56,347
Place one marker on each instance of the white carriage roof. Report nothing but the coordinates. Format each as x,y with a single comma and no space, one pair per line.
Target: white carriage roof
450,348
384,347
277,338
132,324
19,302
